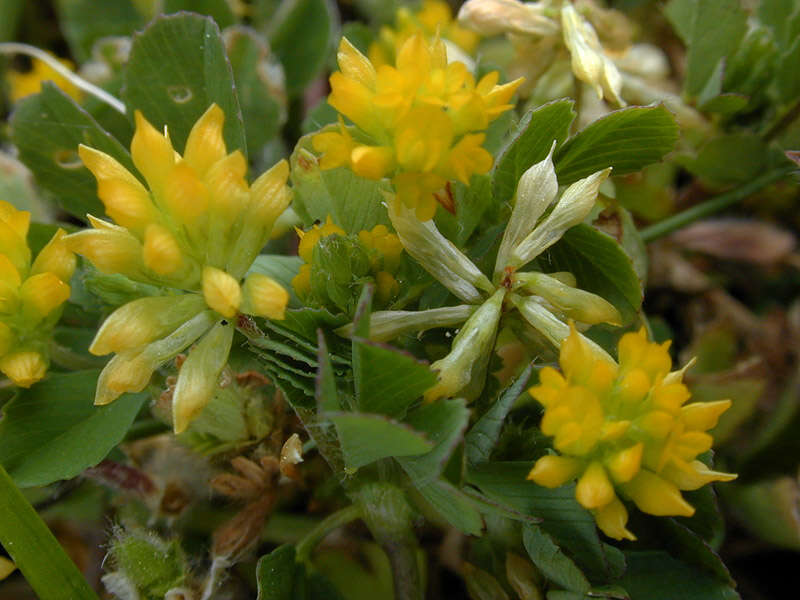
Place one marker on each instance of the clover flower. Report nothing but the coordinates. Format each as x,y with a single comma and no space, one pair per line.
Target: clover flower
433,18
624,429
194,231
31,296
420,122
544,302
372,253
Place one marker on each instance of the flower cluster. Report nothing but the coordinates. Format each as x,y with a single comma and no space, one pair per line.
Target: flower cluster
195,231
380,249
433,18
420,121
624,428
31,296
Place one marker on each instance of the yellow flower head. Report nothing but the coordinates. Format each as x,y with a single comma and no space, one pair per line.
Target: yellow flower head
31,296
624,429
433,18
196,227
420,122
30,82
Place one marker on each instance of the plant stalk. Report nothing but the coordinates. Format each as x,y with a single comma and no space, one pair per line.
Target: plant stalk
35,550
333,521
711,206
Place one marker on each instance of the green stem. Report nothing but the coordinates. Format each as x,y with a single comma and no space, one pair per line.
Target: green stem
334,521
34,549
714,205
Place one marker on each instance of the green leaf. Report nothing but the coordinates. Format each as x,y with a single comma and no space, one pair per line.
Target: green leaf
36,552
483,436
366,438
552,561
47,128
712,31
626,139
301,36
388,380
728,160
354,203
600,266
275,574
654,575
219,10
68,434
787,78
530,144
452,505
567,522
326,394
472,202
257,87
176,70
83,22
443,422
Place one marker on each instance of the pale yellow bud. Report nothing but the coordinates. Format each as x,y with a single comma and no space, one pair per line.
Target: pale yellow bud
702,416
152,153
141,321
55,258
693,475
110,250
161,252
23,368
197,379
355,65
41,294
493,17
221,291
128,371
14,246
205,144
594,489
265,297
552,471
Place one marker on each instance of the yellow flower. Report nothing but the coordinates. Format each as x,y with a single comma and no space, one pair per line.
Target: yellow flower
30,82
419,122
196,229
433,18
31,296
624,429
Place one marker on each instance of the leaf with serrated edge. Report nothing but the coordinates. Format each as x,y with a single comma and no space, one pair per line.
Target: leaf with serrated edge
365,438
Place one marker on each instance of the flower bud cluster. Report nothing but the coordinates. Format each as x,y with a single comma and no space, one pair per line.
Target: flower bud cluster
420,122
624,429
336,265
31,296
194,232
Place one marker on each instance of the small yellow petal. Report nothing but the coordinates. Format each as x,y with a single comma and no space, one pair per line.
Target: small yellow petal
6,567
625,464
185,195
269,195
161,252
205,144
43,293
612,518
17,220
265,297
23,368
657,496
152,153
221,291
109,250
553,471
372,162
693,475
594,488
55,258
702,416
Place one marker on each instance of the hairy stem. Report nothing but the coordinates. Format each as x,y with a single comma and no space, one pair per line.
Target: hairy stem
712,206
333,521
